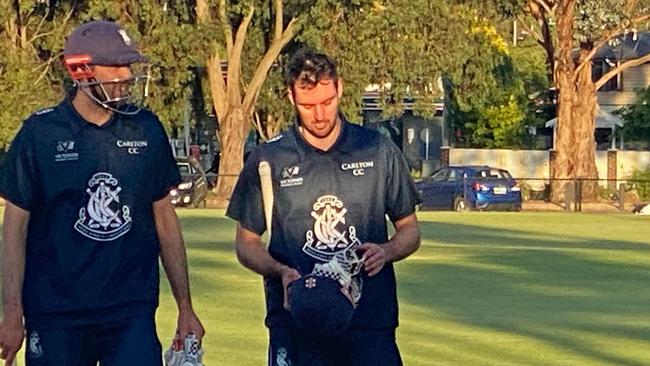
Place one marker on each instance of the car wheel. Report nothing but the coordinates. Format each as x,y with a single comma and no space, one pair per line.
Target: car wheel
461,204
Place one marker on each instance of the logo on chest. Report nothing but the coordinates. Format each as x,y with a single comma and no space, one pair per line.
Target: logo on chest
290,177
133,147
103,218
65,151
359,168
330,235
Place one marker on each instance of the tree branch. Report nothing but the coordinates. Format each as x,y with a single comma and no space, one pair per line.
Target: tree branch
622,67
257,123
217,85
546,36
640,19
40,25
234,57
587,59
277,4
225,26
265,64
529,28
544,5
202,11
607,37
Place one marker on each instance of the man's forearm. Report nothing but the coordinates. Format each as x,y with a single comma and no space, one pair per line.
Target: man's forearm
172,254
12,259
405,241
253,255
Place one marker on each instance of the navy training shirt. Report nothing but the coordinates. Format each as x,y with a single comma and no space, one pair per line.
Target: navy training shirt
324,202
92,247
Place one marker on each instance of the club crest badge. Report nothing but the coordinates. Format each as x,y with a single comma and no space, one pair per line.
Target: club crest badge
282,357
34,349
103,219
330,235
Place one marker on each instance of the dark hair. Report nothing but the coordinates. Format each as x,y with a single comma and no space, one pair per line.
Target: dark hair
307,68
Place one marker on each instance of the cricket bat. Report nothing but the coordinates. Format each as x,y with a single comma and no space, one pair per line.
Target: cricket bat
264,170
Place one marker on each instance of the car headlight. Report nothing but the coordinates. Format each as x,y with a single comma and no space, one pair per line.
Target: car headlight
185,185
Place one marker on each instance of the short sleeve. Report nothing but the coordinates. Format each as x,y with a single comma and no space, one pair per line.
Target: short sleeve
167,176
401,195
246,204
18,174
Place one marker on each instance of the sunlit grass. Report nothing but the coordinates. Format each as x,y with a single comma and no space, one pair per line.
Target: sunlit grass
484,289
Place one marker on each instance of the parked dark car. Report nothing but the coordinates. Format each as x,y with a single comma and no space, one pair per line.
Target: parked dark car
463,188
193,189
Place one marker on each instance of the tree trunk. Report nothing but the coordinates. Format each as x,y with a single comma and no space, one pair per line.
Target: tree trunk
584,117
232,135
563,164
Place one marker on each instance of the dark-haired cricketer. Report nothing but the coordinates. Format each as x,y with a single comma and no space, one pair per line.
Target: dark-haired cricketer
335,184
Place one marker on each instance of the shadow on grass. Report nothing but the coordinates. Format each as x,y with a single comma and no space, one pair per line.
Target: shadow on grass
491,279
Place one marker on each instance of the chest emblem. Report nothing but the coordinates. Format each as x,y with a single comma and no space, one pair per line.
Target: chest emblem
330,235
103,219
65,151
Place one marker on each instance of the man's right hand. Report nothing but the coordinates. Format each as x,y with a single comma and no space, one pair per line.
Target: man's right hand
288,275
12,334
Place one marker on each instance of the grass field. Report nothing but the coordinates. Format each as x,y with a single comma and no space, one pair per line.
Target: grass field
484,289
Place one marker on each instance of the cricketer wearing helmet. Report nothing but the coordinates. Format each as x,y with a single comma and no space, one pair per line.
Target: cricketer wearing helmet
88,215
328,270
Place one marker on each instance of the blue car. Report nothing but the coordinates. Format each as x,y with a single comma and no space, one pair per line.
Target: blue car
464,188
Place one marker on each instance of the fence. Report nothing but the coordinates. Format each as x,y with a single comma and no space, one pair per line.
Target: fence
621,194
612,165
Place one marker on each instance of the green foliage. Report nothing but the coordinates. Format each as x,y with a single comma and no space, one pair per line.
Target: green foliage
637,118
595,17
499,126
173,43
496,92
30,75
641,181
399,46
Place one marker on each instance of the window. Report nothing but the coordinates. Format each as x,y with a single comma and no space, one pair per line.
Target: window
600,68
440,175
183,168
493,174
455,175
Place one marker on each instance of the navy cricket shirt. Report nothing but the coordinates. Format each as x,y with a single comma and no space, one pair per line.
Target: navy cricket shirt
325,202
92,248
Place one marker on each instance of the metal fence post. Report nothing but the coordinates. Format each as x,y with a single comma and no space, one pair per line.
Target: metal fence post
578,206
569,194
621,196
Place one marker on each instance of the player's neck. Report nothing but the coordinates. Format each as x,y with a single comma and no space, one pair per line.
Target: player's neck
90,110
326,142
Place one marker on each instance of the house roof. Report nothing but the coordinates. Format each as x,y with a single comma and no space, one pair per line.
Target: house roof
629,46
604,119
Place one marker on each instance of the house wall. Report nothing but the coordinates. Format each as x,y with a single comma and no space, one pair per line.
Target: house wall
529,164
520,163
629,161
634,79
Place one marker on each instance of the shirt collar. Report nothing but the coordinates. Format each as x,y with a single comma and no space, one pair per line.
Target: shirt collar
342,144
76,120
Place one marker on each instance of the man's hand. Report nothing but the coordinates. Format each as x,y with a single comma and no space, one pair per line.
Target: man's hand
288,275
12,333
188,323
374,258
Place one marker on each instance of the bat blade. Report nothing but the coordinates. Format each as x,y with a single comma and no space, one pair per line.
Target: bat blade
266,183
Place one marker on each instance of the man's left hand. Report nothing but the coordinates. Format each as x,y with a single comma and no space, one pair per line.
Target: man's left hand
188,323
374,258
